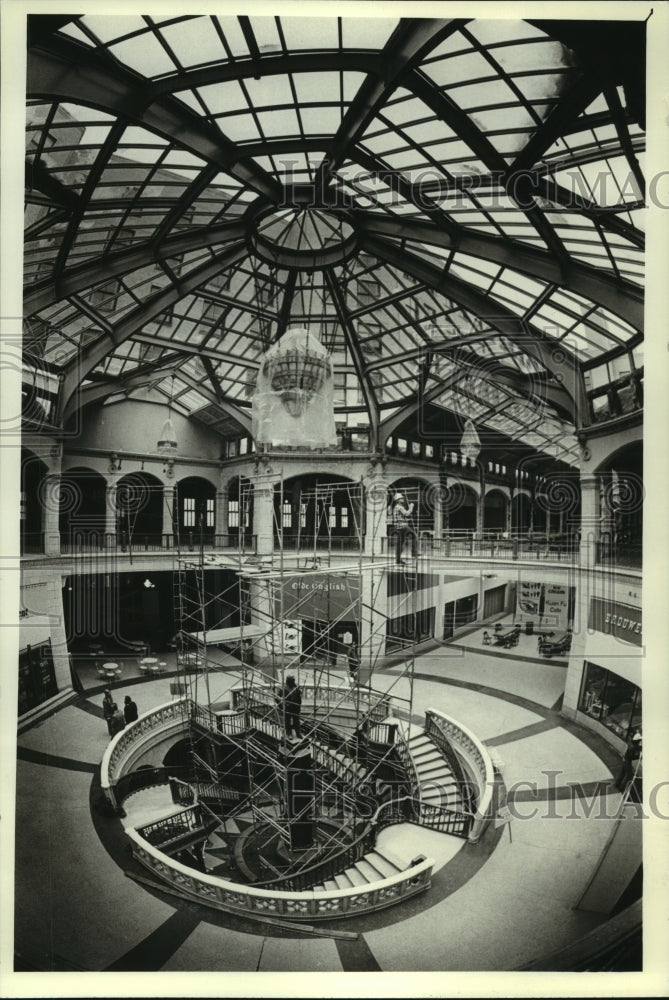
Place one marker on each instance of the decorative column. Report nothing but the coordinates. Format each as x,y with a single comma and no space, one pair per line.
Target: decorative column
589,519
509,514
437,523
110,509
221,515
50,513
263,516
376,513
170,516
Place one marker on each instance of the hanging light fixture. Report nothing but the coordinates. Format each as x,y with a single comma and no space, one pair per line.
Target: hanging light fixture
167,443
470,443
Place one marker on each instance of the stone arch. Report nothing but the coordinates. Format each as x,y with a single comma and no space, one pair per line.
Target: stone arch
194,510
34,498
319,509
460,506
495,507
82,508
139,510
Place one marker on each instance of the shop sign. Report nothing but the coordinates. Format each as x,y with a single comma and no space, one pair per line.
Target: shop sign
620,620
529,600
321,596
556,605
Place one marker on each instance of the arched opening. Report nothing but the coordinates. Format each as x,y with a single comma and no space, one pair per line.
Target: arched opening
139,511
33,501
621,506
240,511
81,520
318,511
194,514
494,511
460,509
521,511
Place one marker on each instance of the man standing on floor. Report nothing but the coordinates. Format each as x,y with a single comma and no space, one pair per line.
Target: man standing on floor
108,707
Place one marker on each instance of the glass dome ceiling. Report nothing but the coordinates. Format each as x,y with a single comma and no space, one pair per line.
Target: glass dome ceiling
451,205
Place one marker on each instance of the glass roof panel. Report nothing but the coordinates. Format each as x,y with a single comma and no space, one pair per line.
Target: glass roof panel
193,42
506,75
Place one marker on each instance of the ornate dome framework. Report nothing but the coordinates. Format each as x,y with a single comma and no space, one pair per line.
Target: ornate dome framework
456,206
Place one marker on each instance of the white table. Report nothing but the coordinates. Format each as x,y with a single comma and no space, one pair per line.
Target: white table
147,663
112,670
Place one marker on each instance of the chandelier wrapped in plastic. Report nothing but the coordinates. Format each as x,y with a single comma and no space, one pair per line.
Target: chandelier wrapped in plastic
293,402
470,443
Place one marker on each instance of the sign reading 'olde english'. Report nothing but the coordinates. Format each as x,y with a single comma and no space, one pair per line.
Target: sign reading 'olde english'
621,620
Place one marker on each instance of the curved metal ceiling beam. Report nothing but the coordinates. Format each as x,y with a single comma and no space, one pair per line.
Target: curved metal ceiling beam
126,383
62,70
94,352
140,255
243,417
42,180
412,39
622,298
353,346
268,65
552,356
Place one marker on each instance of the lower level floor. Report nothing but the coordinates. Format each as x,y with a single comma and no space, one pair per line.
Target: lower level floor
517,896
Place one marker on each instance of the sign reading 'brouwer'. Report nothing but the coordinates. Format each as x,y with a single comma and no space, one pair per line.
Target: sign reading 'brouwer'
621,620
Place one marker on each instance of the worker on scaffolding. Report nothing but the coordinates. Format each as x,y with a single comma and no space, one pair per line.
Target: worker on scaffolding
290,701
399,523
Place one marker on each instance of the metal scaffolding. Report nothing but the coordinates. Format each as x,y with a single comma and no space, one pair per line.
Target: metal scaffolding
319,616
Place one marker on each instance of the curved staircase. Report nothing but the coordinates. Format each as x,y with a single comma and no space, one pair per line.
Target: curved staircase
373,868
437,785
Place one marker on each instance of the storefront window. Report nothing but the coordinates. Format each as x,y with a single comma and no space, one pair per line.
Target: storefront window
611,699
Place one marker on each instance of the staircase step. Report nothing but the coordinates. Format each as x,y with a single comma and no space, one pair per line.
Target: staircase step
383,865
388,855
329,885
440,775
433,764
427,751
343,881
444,801
355,876
368,871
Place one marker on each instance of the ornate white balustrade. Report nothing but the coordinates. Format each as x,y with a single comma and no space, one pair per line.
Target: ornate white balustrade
307,905
479,763
136,740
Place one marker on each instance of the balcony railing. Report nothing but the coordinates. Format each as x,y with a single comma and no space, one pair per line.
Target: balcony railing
32,543
613,554
323,543
186,542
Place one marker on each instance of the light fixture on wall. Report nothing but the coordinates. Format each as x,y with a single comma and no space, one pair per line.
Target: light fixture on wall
167,443
114,462
149,585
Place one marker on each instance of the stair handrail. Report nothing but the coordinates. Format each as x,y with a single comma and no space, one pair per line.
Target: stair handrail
470,749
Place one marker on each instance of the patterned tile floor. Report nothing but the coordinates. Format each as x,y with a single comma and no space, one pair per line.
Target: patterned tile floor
493,906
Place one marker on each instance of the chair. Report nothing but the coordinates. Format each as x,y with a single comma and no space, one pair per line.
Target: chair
162,667
486,638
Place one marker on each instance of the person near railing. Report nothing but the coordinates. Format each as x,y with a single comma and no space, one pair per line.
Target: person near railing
108,709
130,712
399,525
290,701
